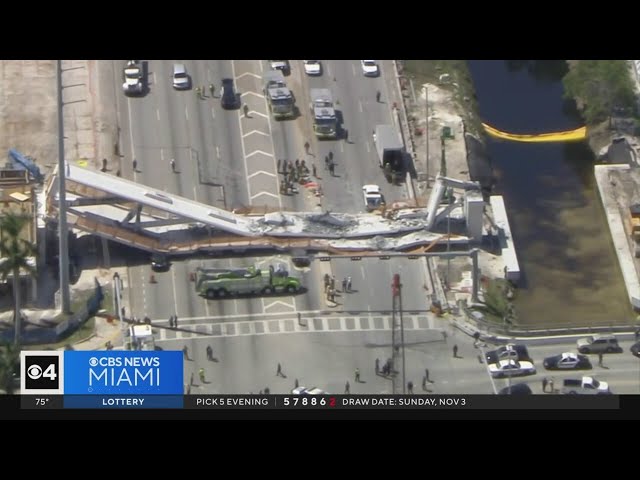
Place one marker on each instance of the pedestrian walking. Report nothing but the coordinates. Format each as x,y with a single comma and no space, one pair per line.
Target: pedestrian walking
175,321
173,165
188,389
347,387
357,375
545,381
209,353
104,164
332,169
346,135
444,335
267,391
333,282
476,338
135,165
455,351
600,359
378,95
326,162
327,281
245,107
551,390
212,89
331,155
410,387
344,284
332,295
297,164
306,147
377,366
313,169
185,352
192,380
296,383
279,165
201,373
426,374
118,173
349,284
279,371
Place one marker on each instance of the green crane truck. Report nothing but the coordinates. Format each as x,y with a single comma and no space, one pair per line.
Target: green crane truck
220,283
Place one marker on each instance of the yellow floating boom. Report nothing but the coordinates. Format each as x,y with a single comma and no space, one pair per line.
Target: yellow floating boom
568,136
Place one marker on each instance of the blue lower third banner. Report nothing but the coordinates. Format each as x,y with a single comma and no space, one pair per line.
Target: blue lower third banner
123,401
122,373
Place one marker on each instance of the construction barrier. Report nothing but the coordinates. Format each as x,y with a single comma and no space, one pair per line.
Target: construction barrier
568,136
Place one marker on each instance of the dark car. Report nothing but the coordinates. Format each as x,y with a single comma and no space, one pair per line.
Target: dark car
567,361
228,96
510,351
517,389
160,263
635,349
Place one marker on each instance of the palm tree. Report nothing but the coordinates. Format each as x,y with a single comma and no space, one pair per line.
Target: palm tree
14,254
9,361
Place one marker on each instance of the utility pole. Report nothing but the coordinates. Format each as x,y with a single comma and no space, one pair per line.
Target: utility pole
397,334
63,232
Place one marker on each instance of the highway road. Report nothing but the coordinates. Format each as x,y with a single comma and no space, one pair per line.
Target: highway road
227,159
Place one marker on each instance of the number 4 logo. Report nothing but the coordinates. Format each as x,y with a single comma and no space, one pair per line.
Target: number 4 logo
41,372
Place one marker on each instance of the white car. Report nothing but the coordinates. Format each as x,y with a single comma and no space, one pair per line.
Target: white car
308,391
133,74
312,67
370,68
372,197
511,368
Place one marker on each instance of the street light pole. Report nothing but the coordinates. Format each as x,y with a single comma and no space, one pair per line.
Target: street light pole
63,232
426,108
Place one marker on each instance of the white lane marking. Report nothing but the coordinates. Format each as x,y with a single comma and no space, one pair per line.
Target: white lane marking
158,114
329,70
261,68
195,194
244,153
276,303
360,106
264,193
213,113
263,172
253,112
342,147
255,131
353,69
366,144
153,78
258,151
255,94
162,154
186,112
217,152
209,74
247,73
133,153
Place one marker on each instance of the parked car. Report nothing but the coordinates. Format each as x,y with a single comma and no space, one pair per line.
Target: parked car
160,263
635,349
511,368
369,68
513,351
228,96
517,389
599,344
567,361
373,198
584,386
312,67
181,79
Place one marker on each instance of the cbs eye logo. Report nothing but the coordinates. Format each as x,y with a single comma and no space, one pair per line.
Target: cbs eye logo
41,372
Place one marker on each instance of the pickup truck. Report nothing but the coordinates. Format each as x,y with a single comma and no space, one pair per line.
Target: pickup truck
584,386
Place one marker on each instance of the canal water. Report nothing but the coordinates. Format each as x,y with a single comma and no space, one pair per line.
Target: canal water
570,270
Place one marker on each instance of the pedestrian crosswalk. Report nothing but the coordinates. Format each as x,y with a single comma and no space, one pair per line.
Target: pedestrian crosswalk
277,326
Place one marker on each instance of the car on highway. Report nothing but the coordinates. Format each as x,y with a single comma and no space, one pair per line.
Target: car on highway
517,389
511,368
160,263
181,79
635,349
228,95
133,78
369,68
510,351
373,198
599,343
312,67
282,65
567,361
